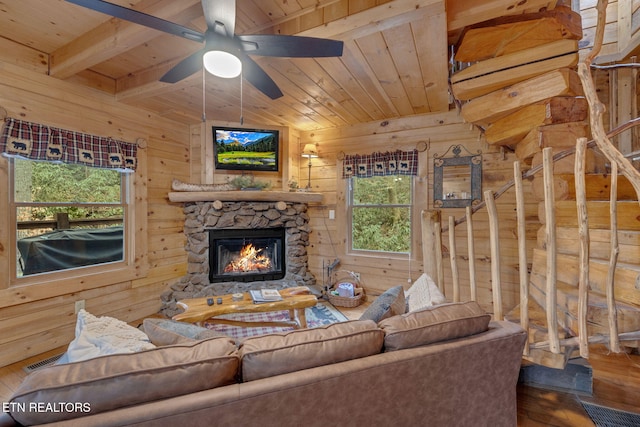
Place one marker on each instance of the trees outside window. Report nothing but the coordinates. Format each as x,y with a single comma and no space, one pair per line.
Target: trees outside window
67,215
380,213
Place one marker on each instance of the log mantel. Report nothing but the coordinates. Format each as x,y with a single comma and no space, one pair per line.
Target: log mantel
244,196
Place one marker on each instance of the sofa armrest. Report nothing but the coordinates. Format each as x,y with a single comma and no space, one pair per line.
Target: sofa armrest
7,421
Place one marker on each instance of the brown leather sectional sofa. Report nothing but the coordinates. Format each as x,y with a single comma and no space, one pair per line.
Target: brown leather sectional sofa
447,366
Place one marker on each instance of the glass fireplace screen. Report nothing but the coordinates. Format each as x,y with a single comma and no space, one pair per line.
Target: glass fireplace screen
246,255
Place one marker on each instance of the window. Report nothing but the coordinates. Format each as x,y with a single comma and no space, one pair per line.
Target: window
67,215
380,213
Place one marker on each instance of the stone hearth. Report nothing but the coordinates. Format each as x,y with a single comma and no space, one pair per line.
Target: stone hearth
202,216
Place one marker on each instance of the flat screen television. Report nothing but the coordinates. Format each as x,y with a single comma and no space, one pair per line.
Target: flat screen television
246,149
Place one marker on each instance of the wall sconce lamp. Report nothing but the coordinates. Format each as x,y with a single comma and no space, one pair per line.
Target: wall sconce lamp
309,151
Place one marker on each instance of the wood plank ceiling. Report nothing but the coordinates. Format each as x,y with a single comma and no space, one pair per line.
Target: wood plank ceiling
395,61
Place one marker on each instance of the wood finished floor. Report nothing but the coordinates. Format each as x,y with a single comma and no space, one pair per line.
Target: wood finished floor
616,383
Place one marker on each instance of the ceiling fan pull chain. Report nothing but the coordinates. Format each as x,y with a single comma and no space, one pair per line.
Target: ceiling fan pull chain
204,96
241,117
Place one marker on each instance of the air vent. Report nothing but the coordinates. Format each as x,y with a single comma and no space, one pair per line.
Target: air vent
41,364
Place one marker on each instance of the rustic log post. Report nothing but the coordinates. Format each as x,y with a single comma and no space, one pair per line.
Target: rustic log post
522,252
62,221
583,234
437,227
634,100
429,252
597,109
494,239
614,341
550,228
453,259
471,250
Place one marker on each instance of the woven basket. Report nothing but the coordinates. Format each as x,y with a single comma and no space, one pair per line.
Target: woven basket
348,302
356,299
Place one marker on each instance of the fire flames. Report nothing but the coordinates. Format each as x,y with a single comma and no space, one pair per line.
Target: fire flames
248,260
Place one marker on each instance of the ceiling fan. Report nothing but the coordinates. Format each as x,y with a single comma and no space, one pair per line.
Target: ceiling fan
220,37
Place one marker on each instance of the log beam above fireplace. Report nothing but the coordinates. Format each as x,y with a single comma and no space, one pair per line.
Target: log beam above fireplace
245,196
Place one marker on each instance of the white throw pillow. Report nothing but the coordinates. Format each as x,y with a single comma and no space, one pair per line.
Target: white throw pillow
424,293
98,336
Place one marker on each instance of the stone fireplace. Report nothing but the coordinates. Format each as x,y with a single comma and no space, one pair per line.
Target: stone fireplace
216,231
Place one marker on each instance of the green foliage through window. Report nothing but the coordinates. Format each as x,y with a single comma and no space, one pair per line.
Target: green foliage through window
51,197
381,213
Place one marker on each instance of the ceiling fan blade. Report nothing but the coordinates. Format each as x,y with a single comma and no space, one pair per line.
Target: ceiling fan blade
220,16
183,69
258,78
290,46
140,18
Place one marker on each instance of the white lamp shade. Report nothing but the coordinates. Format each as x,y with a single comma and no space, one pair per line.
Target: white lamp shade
309,150
222,64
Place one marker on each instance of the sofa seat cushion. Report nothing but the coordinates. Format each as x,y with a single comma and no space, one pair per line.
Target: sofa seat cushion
434,324
109,382
277,354
163,332
390,303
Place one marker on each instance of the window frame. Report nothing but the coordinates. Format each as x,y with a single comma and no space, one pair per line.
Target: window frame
133,265
349,202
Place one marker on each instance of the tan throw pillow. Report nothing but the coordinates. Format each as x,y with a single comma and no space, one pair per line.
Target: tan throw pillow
108,382
168,332
433,324
277,354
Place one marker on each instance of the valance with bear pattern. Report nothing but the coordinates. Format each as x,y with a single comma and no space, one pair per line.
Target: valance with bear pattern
34,141
375,164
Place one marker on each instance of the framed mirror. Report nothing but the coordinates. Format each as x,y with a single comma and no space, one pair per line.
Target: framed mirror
457,180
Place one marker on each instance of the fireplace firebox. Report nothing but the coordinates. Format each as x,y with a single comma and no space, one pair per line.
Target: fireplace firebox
246,255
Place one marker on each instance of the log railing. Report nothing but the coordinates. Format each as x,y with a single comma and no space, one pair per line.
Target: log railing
433,236
433,229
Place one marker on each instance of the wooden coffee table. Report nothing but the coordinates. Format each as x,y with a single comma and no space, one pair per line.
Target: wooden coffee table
294,299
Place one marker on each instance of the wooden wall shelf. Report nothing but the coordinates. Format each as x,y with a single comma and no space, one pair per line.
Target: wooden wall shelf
244,196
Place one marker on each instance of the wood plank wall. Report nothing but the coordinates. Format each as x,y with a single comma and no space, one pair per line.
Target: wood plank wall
440,131
43,316
622,31
616,86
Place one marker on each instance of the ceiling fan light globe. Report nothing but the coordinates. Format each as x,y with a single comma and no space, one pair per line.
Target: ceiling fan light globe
222,64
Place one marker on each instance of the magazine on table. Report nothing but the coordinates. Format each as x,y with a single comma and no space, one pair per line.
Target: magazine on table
265,295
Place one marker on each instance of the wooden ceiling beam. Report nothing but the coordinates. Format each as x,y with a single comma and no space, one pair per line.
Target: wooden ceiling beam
283,20
379,18
111,38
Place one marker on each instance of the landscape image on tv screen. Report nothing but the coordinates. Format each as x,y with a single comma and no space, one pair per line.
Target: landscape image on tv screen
246,149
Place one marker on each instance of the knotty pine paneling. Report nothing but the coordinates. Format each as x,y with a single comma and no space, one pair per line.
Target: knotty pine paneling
40,318
440,131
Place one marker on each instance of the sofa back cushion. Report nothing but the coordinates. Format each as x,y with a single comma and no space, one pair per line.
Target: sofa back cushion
433,324
114,381
276,354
